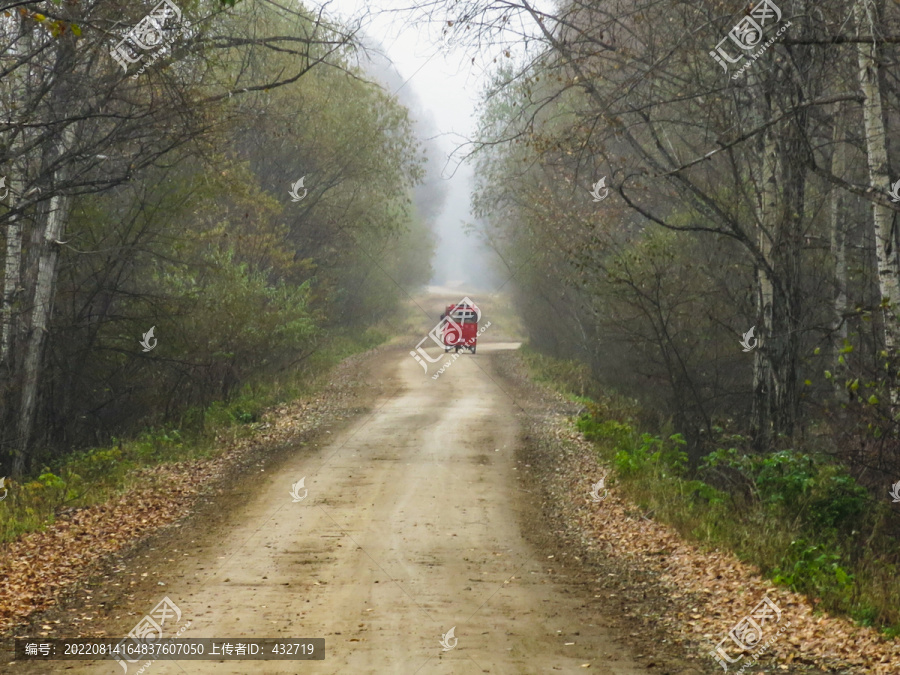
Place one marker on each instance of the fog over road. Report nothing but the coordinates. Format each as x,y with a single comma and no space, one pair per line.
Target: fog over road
412,525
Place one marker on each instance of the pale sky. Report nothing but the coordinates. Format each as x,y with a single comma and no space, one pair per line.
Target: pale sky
448,87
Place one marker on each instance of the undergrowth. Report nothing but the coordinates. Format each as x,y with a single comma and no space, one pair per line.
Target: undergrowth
95,475
794,514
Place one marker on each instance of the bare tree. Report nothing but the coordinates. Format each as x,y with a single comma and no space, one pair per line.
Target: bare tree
77,126
886,241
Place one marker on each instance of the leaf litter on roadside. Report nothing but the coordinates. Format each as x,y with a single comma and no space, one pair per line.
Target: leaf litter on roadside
39,566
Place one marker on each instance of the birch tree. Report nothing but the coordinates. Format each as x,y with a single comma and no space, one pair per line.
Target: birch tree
77,126
838,243
696,154
886,241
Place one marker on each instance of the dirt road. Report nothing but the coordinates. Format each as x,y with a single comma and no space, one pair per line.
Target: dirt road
412,525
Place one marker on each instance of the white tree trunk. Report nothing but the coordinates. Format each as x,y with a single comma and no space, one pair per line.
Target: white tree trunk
12,273
16,181
45,285
763,377
876,150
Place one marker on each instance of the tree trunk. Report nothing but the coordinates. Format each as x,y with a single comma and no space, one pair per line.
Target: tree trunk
45,285
11,279
787,253
876,150
12,269
775,404
839,248
19,87
763,376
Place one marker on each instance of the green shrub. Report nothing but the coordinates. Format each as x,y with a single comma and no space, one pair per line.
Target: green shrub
783,477
664,455
51,481
157,446
48,491
615,434
820,494
813,569
838,501
97,463
802,525
698,491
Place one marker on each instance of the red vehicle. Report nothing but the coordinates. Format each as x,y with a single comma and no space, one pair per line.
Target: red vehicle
460,323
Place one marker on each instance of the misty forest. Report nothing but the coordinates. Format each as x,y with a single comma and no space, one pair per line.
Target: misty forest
249,250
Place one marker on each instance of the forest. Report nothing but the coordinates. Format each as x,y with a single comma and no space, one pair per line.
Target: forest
698,201
220,221
246,193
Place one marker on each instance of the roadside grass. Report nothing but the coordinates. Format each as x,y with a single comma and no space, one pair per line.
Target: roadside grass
501,310
96,475
569,378
795,515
